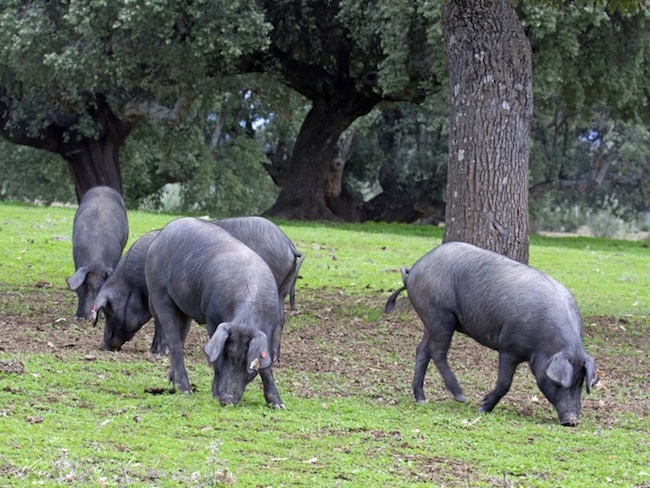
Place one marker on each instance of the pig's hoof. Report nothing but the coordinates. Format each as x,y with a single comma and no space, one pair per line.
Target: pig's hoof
421,401
460,398
277,406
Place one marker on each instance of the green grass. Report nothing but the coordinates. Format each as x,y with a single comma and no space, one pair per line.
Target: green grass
84,418
82,422
607,277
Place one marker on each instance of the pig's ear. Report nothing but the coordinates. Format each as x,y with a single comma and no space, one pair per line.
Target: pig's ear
591,376
560,370
214,347
76,280
100,303
258,352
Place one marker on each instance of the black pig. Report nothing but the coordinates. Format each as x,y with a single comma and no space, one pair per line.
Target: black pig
196,270
99,234
507,306
124,296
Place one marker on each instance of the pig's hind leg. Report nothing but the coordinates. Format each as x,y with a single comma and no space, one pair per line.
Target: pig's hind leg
175,326
158,344
438,331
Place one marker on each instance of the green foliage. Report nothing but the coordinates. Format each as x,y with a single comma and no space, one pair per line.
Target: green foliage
234,184
215,162
404,146
280,114
576,126
55,57
29,174
363,42
547,214
578,58
590,69
605,224
590,72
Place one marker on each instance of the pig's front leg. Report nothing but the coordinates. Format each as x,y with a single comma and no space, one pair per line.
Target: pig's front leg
270,390
507,366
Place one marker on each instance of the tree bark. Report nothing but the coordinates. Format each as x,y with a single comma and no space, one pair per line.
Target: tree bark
304,190
490,66
92,161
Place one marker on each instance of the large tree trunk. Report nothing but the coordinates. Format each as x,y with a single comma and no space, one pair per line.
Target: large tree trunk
91,161
94,162
304,191
490,66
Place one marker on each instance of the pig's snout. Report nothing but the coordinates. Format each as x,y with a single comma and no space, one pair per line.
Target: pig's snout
229,397
110,347
228,400
111,343
569,420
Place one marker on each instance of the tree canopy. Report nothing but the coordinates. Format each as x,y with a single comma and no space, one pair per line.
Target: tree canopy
345,58
76,77
80,79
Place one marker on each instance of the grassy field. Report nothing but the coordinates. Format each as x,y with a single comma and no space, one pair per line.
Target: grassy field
71,414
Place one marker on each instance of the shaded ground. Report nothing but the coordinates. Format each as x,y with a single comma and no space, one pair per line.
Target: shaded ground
346,347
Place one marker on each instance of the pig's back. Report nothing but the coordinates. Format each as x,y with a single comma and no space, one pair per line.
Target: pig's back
492,295
100,228
193,260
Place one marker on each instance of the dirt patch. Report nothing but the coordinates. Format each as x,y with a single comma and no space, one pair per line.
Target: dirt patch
346,347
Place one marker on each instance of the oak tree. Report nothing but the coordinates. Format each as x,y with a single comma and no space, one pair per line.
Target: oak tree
76,77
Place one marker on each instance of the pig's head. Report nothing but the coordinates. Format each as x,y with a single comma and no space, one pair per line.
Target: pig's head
125,314
87,281
237,353
561,382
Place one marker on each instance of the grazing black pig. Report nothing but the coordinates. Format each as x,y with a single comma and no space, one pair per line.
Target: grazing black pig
506,306
277,250
124,295
99,234
124,298
196,270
